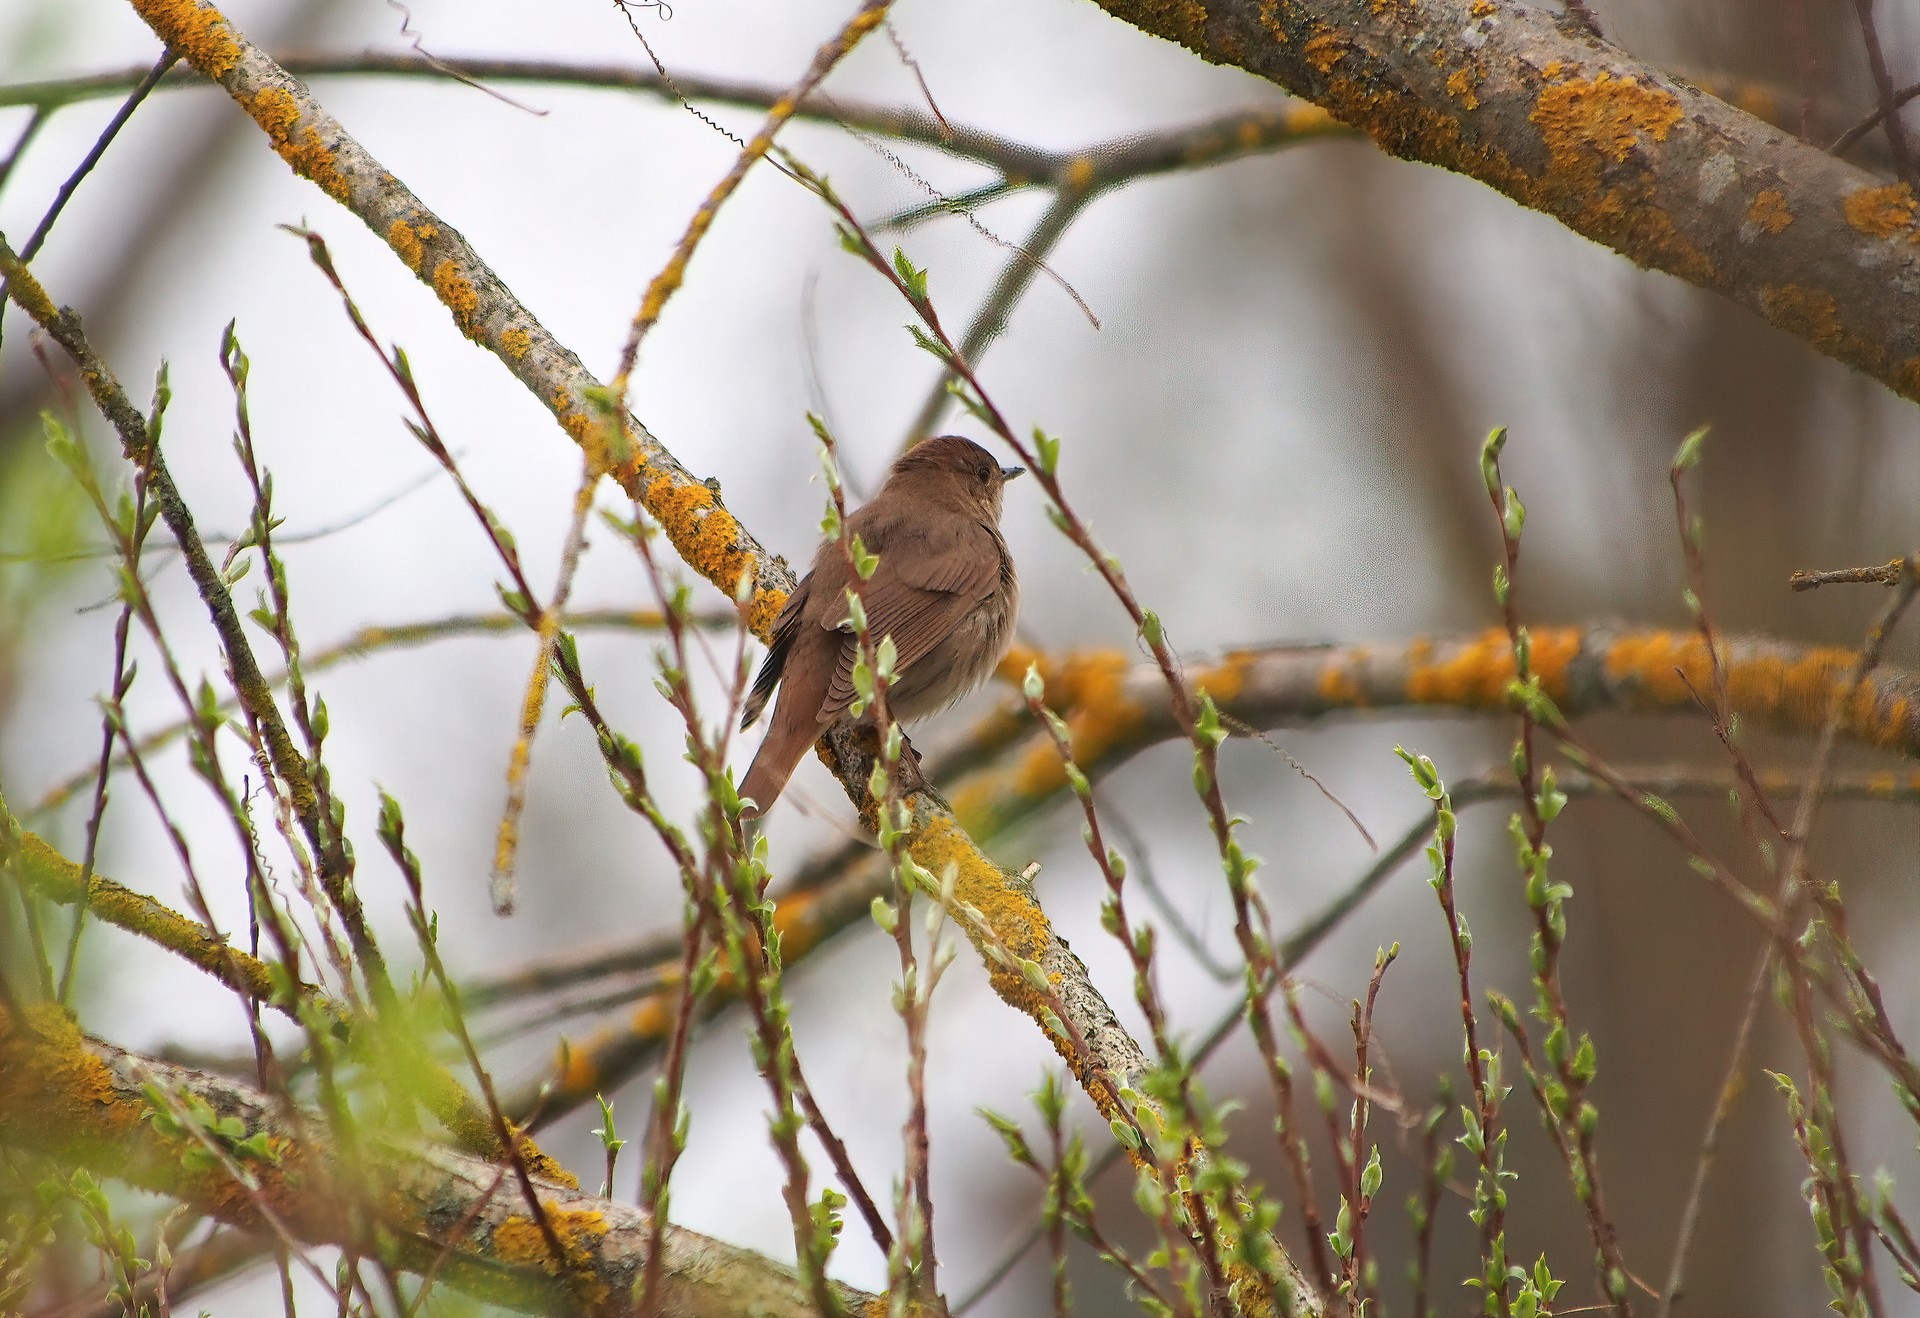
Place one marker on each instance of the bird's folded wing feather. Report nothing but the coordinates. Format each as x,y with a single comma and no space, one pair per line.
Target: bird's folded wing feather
774,665
918,604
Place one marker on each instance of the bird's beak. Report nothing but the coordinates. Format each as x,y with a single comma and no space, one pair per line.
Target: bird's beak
1008,473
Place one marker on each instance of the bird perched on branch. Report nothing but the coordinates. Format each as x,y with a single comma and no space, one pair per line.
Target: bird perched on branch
944,589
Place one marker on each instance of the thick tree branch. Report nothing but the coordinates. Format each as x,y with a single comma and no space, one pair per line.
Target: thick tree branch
95,1105
1615,149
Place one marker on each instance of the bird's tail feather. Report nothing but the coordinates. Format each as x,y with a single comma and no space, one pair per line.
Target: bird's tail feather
772,766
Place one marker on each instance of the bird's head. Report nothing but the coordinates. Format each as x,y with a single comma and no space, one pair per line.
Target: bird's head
956,468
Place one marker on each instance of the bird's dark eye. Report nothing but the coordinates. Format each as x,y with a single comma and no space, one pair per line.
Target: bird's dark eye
985,474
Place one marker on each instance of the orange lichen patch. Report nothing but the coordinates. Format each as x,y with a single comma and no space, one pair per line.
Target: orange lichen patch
406,243
1039,772
1080,172
1591,128
1605,115
1014,667
1338,686
1225,680
198,32
763,609
1665,666
1460,85
1553,651
1801,689
707,538
1880,212
28,292
278,113
520,1240
1014,924
797,920
1472,676
579,425
1905,377
1008,910
1324,50
457,293
1770,211
46,1071
1092,686
517,342
540,1163
1482,8
653,1018
1273,22
577,1070
1808,312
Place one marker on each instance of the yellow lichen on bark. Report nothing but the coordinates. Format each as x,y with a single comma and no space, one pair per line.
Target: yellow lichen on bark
199,32
520,1240
1769,210
1225,680
1591,128
1474,676
1607,115
407,243
1880,212
1325,49
27,291
517,342
1014,925
707,538
278,113
456,291
1460,85
45,1069
1809,312
1013,915
1338,686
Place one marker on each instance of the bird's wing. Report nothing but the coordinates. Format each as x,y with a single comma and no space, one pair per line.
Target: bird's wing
784,628
918,598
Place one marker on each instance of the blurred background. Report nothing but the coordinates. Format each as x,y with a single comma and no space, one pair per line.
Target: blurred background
1275,426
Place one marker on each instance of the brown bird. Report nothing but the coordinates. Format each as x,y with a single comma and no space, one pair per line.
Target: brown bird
945,591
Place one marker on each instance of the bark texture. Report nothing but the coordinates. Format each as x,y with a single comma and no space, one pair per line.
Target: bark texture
1656,169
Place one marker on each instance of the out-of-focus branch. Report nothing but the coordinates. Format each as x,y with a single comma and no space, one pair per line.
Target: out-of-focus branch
1004,773
46,873
396,636
1618,151
91,1104
1246,132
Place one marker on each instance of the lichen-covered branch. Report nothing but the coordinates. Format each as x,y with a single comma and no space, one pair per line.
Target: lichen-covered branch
93,1105
1635,159
1115,706
46,873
